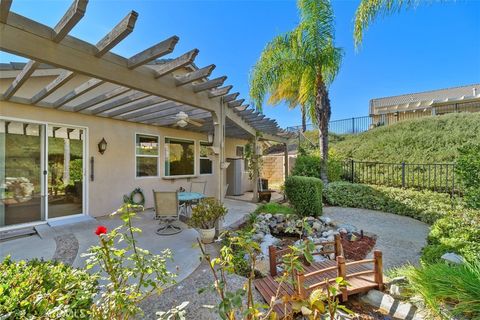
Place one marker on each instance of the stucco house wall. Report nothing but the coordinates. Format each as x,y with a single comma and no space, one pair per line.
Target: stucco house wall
114,171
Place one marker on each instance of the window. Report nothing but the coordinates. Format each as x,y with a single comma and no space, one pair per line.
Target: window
179,157
146,153
206,165
240,151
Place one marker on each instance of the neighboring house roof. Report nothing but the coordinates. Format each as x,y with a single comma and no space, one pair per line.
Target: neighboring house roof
426,98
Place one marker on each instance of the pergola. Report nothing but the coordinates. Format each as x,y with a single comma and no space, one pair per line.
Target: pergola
140,88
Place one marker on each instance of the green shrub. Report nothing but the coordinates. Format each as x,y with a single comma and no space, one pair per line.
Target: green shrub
459,232
468,169
305,195
274,208
443,285
425,206
46,290
310,166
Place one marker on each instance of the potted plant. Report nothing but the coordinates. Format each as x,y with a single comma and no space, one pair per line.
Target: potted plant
204,217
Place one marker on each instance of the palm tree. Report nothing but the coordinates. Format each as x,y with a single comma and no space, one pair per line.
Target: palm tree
369,10
308,55
287,91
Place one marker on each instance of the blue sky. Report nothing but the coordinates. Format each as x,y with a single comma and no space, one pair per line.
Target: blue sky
433,46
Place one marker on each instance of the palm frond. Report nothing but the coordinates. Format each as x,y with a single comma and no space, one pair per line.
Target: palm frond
369,10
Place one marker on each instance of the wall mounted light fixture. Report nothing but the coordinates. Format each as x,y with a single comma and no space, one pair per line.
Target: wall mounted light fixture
102,146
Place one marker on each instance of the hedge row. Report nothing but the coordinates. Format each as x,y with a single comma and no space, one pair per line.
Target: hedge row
426,206
305,195
453,229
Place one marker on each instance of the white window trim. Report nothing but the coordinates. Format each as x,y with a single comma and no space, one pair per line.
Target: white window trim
165,159
200,157
146,156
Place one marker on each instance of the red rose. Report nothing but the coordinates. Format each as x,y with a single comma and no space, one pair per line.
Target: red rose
101,230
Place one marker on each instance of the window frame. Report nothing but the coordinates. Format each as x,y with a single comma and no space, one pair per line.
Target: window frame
243,153
165,159
205,143
147,156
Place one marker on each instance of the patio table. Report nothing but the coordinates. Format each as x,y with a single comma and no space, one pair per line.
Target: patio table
188,198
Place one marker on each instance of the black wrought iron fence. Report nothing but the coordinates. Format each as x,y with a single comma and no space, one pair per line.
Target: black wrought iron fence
439,177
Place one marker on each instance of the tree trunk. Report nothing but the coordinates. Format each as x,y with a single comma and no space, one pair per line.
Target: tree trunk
304,118
322,112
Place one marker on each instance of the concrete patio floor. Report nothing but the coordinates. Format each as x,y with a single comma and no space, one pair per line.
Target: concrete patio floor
67,242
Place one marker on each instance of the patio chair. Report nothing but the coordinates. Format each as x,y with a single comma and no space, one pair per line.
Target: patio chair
167,210
198,186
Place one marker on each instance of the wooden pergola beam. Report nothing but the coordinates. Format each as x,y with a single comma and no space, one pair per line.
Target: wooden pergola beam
5,9
241,108
63,27
21,78
218,92
154,52
210,84
177,63
149,102
194,75
236,103
73,15
119,32
143,111
137,95
78,91
63,78
100,98
230,97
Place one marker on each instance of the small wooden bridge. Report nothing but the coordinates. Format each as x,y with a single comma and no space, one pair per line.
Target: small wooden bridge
361,276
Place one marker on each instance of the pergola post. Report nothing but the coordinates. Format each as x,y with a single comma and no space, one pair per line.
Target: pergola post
218,118
256,171
285,162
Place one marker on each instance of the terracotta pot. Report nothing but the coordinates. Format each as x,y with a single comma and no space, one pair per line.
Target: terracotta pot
207,235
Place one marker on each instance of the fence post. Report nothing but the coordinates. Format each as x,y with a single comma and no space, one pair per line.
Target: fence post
342,272
378,268
403,174
352,168
301,285
353,125
338,246
272,255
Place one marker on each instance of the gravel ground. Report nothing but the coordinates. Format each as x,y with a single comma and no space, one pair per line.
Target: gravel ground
399,238
67,248
201,306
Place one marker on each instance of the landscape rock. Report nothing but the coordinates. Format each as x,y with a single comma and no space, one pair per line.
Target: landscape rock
326,220
390,306
453,258
348,227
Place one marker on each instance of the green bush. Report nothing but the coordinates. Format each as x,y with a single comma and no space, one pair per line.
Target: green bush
443,285
459,232
468,169
425,206
45,290
310,166
305,195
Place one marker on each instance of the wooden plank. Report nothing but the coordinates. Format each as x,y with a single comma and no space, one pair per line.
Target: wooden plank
241,108
63,78
165,105
137,95
175,64
119,32
21,78
150,101
218,92
194,75
230,97
73,15
5,9
210,84
100,98
236,103
154,52
78,91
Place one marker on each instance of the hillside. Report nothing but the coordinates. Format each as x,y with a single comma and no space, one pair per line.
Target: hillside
423,140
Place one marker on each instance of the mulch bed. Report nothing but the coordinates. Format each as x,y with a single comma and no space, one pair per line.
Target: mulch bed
359,249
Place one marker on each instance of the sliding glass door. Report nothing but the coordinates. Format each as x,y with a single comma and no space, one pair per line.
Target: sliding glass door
21,174
65,171
41,172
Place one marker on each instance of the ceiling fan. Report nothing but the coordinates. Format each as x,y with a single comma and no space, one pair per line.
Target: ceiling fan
183,120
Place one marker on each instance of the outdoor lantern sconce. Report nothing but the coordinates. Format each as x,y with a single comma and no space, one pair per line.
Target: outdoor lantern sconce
102,146
210,138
